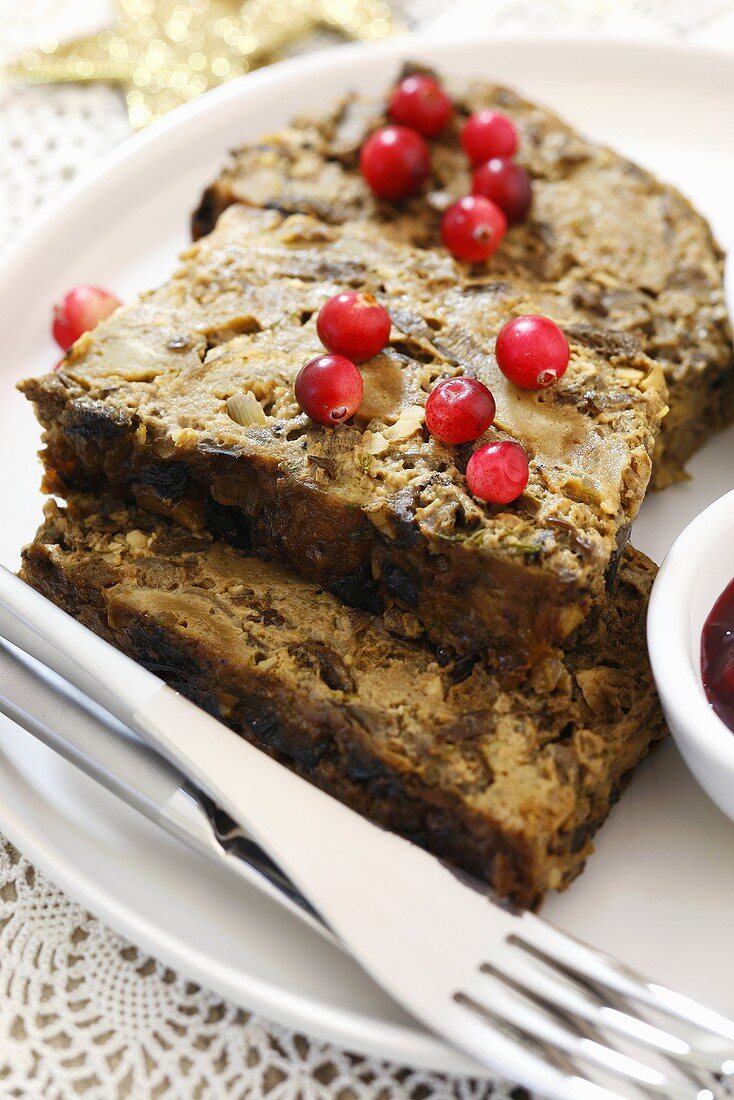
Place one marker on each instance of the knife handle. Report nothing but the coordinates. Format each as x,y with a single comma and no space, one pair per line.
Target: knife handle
96,668
261,796
59,716
311,836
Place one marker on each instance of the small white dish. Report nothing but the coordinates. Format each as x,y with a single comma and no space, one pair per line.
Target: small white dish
696,571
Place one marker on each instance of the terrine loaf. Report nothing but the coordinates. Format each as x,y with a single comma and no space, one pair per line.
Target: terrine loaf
510,785
612,246
375,510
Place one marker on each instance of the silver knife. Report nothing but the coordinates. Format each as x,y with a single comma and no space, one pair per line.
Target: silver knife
86,735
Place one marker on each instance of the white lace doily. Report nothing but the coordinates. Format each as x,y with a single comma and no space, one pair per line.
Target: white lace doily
83,1012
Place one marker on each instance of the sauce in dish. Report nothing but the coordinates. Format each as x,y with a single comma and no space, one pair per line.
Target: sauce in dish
717,656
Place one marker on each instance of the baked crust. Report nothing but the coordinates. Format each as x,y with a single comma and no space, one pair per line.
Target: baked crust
509,785
375,510
608,243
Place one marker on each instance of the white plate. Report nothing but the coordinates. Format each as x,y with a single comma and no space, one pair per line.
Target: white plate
659,892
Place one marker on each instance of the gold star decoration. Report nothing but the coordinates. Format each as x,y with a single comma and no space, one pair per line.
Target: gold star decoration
165,52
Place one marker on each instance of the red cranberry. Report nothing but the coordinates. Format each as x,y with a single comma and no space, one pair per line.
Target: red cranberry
473,228
421,103
497,472
79,312
329,389
395,162
459,410
488,134
354,325
532,352
507,184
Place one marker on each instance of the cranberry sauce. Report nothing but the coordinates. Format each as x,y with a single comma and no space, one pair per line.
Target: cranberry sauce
717,656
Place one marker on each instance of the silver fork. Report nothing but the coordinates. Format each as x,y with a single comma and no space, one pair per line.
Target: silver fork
515,993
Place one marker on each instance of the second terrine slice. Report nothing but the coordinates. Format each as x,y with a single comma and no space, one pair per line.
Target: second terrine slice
510,785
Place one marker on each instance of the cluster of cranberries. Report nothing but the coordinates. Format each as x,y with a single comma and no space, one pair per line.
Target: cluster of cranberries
353,327
459,410
532,352
396,162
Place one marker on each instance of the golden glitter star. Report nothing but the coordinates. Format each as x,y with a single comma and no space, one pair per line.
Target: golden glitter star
165,52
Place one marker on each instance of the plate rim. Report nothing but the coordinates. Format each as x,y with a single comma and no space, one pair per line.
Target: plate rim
413,1046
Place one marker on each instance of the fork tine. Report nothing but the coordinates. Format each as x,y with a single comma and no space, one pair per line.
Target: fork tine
591,1020
573,958
552,1035
610,1013
484,1028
